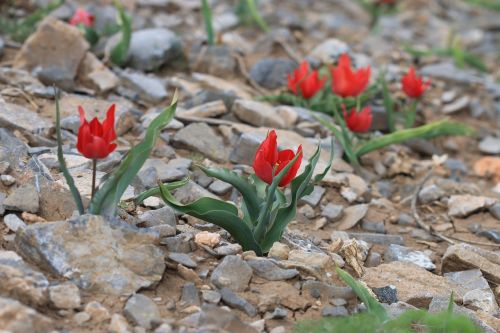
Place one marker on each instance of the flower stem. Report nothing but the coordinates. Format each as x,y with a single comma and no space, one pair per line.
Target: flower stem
411,114
94,172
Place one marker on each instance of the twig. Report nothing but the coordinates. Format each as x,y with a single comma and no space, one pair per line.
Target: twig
416,216
243,69
475,242
289,50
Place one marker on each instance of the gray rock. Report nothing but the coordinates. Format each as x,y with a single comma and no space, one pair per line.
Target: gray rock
12,150
182,258
405,219
269,270
23,199
464,205
92,72
263,115
334,311
386,294
18,318
233,272
201,138
332,212
381,239
20,281
400,253
448,71
2,45
373,259
458,105
352,216
217,60
163,218
493,235
227,250
164,171
2,207
328,51
65,296
57,76
495,211
13,116
245,148
107,256
373,226
278,313
211,296
191,192
325,291
219,187
149,88
271,73
141,311
430,193
490,145
152,48
314,198
237,302
13,222
190,295
181,243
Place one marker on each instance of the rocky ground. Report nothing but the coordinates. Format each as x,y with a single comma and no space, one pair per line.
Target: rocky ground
162,272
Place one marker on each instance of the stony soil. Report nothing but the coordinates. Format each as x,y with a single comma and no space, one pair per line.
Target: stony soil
163,272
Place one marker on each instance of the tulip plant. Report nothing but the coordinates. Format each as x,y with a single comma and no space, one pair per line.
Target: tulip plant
265,209
96,141
344,97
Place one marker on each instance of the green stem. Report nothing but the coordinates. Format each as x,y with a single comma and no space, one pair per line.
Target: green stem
252,7
346,139
388,104
207,17
94,174
411,114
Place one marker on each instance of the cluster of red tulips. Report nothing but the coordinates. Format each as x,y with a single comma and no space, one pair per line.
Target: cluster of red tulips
347,82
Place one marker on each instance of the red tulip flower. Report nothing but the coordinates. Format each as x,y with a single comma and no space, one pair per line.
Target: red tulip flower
413,85
359,122
83,17
304,81
269,161
345,81
95,138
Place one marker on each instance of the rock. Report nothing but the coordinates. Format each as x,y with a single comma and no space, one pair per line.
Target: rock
190,295
493,235
325,291
490,145
282,293
141,311
163,171
411,282
180,243
222,318
117,258
352,215
152,48
118,324
263,115
329,51
201,138
475,288
23,199
495,211
149,88
401,253
449,72
191,192
211,296
54,45
182,258
405,219
373,226
17,117
219,187
332,212
227,250
65,296
94,73
59,77
211,109
352,187
20,281
386,294
316,262
460,104
206,238
464,205
17,318
217,60
234,301
430,193
2,208
13,222
377,238
163,220
272,73
463,256
12,150
373,259
233,273
269,270
81,317
279,251
245,148
314,198
334,311
2,45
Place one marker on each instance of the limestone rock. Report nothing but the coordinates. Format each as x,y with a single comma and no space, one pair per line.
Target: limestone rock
202,139
23,199
17,318
233,273
464,205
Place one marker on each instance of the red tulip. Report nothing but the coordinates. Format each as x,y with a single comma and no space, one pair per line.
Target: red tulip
413,85
345,81
269,161
83,17
359,122
304,81
95,139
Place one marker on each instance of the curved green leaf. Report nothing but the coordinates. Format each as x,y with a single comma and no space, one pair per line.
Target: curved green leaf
119,54
62,163
247,190
156,190
207,17
218,212
107,197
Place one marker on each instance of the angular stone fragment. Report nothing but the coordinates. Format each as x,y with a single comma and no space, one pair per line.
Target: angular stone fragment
110,257
141,310
464,205
17,318
201,138
23,199
233,273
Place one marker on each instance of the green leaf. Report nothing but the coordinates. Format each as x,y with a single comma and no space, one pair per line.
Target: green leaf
107,197
119,54
388,103
156,190
372,305
62,163
247,190
254,12
300,186
207,17
429,131
218,212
